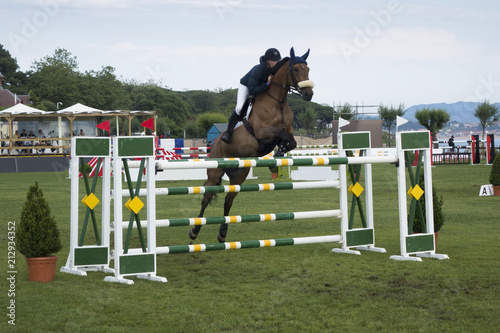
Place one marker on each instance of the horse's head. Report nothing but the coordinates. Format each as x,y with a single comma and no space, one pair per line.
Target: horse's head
299,73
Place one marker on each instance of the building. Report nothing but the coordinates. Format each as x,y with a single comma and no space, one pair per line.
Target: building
8,99
215,131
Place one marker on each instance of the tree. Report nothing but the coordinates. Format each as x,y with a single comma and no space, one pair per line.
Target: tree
55,78
12,77
324,114
388,116
345,112
307,119
101,90
487,114
166,102
206,120
433,120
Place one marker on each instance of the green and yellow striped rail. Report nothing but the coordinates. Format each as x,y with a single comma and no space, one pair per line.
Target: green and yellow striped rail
240,188
245,244
225,163
240,218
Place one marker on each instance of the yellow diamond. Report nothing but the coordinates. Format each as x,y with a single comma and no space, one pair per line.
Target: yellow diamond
357,189
134,205
417,192
409,192
90,201
350,188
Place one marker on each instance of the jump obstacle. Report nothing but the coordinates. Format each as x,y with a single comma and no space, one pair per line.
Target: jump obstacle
141,262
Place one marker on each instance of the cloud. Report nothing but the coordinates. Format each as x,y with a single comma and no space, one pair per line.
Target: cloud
422,43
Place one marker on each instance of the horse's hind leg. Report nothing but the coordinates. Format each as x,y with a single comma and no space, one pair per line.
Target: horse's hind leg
214,178
236,177
193,233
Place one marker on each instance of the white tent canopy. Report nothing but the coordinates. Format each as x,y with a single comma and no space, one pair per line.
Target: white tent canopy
21,109
79,108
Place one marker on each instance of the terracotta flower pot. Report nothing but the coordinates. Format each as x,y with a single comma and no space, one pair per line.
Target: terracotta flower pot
496,190
42,269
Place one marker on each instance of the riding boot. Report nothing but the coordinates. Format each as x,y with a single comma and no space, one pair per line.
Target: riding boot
228,134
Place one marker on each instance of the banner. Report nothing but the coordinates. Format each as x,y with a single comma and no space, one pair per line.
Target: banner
476,158
149,124
104,125
490,148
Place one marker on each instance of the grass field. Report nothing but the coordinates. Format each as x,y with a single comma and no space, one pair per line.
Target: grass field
285,289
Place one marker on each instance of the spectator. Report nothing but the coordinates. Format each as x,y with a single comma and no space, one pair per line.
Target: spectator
40,142
24,135
17,143
81,132
31,135
3,143
451,143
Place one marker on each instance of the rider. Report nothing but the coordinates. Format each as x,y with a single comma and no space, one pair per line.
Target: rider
254,82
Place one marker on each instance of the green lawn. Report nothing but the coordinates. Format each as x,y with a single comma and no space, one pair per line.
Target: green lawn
303,288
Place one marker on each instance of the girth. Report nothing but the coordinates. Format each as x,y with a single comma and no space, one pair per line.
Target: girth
265,146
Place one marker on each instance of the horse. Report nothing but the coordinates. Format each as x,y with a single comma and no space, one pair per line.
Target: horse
269,124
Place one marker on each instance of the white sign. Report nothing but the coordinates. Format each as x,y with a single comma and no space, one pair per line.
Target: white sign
486,190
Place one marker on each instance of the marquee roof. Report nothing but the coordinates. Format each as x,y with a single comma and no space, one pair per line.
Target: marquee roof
77,110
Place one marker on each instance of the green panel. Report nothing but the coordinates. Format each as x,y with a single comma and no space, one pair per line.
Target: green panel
359,237
420,243
91,256
140,146
95,147
139,263
359,140
415,140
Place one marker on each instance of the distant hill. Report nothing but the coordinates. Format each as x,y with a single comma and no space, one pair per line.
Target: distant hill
462,112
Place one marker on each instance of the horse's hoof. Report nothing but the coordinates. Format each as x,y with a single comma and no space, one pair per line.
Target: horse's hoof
192,234
220,238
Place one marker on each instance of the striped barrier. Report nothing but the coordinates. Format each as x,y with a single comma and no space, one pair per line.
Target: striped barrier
141,262
248,244
227,163
239,218
239,188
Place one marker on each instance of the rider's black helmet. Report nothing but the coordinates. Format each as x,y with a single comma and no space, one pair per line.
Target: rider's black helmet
272,54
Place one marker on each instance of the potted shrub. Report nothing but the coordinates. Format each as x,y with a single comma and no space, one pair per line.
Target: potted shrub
38,236
437,202
495,175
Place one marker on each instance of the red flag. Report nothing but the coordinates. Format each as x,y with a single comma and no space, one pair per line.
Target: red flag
149,124
104,125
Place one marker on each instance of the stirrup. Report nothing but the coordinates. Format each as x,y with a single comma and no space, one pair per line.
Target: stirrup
226,137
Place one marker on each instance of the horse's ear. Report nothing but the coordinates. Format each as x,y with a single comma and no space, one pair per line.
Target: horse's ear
306,54
292,54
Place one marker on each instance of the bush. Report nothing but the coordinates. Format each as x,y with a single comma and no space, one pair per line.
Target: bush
495,171
437,202
37,235
88,168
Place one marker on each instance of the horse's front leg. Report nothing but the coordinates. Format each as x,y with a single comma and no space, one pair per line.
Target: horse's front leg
287,143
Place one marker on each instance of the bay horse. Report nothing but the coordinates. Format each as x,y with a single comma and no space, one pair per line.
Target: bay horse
269,125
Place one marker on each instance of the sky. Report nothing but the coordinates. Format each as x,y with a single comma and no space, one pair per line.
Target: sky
362,52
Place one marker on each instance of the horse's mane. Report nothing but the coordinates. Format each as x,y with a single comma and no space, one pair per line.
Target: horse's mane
278,65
